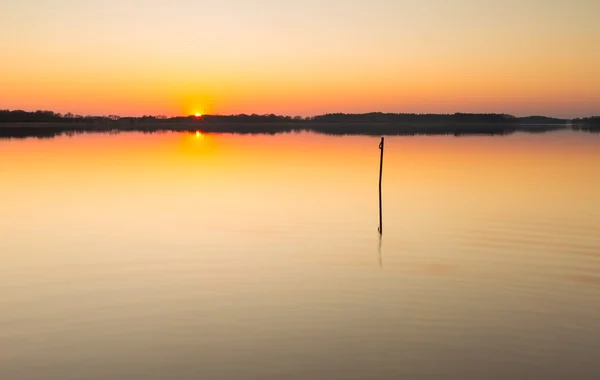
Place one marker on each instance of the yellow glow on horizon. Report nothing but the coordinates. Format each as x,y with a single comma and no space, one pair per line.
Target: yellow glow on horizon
443,67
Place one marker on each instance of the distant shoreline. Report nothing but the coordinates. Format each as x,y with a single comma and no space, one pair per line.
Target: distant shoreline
49,130
47,124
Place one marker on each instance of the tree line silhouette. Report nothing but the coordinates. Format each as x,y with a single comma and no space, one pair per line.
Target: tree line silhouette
20,123
590,124
19,116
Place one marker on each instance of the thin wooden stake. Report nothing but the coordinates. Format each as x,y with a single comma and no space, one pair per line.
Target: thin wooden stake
380,229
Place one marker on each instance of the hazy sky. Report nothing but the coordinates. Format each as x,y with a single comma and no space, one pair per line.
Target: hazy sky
133,57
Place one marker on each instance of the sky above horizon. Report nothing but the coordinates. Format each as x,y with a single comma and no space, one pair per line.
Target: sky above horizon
304,58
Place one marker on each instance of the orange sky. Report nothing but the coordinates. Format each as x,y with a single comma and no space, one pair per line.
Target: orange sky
301,57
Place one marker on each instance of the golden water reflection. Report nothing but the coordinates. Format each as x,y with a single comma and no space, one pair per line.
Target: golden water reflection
253,256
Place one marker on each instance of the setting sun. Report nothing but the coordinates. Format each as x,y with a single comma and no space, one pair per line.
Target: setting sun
198,114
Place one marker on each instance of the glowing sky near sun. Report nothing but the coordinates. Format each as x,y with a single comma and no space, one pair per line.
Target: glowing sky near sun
300,57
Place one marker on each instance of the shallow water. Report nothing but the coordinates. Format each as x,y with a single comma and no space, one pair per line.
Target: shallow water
155,256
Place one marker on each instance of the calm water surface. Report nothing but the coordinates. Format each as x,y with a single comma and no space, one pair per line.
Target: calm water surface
176,256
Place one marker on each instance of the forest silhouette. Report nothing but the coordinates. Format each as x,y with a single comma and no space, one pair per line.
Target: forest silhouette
21,124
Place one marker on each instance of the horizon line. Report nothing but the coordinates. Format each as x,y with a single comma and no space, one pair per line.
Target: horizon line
192,115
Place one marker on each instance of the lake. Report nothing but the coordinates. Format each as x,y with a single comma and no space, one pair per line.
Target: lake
219,256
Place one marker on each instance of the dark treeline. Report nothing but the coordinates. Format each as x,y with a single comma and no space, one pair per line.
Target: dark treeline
378,117
590,124
49,124
19,116
541,120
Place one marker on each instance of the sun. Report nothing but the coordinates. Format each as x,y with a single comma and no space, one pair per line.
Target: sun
198,114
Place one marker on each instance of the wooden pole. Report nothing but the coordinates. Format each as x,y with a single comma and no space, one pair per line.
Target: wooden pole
380,175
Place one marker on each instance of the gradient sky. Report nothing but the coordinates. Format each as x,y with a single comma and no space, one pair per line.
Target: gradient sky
304,57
